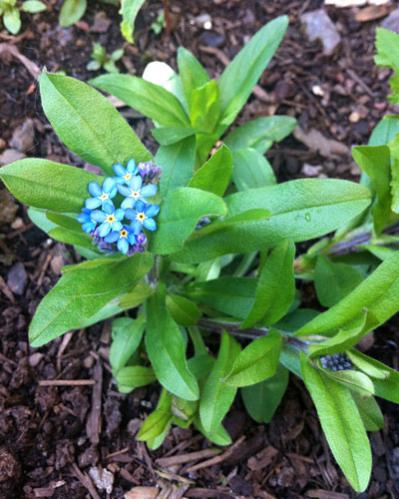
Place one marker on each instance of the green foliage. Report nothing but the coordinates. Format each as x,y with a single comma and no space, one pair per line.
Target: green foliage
10,12
101,60
220,267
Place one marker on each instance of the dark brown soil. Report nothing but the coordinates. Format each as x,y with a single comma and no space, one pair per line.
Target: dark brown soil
52,436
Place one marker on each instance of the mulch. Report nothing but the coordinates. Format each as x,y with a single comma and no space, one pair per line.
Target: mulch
65,431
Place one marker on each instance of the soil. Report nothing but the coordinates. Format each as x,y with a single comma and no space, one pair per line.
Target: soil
62,420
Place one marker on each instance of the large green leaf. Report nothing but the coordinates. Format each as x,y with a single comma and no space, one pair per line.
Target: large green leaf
217,397
275,291
214,175
230,295
166,350
177,163
333,281
300,210
257,362
379,294
386,130
83,292
193,75
370,412
129,10
73,108
131,377
149,99
260,133
375,162
47,185
262,400
183,310
240,76
204,107
180,213
126,337
251,170
342,425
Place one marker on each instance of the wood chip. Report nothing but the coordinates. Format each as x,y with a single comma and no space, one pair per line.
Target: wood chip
66,382
217,459
316,141
142,493
187,458
93,424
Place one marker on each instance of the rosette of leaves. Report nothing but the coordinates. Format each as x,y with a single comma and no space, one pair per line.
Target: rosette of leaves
101,60
73,10
223,260
10,12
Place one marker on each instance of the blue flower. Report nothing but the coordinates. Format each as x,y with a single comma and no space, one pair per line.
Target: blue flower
135,191
101,195
109,218
124,175
123,238
142,216
84,218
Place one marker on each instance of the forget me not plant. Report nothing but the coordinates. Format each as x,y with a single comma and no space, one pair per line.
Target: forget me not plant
117,224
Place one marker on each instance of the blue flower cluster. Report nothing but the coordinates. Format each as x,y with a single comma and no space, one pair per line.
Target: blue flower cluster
122,227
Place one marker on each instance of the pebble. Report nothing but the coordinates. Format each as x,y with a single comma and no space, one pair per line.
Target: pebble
212,39
319,26
17,279
10,155
392,21
23,137
8,207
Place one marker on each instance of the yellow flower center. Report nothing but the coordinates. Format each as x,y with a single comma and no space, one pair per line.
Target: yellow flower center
123,233
134,194
104,196
140,217
110,219
128,176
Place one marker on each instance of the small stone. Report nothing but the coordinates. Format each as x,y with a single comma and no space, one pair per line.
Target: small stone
16,279
35,358
18,223
23,137
10,155
103,479
392,21
101,23
318,25
3,144
8,207
212,39
311,170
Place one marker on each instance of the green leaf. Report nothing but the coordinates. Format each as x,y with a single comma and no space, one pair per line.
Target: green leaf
204,107
218,436
149,99
129,10
166,350
379,294
354,380
251,170
214,175
233,296
71,12
71,237
370,412
217,397
240,76
260,133
386,130
387,45
158,422
12,20
375,162
83,292
333,281
177,163
300,210
126,338
262,400
73,108
179,215
193,75
33,6
183,311
132,377
342,425
166,136
47,185
257,362
346,338
275,291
